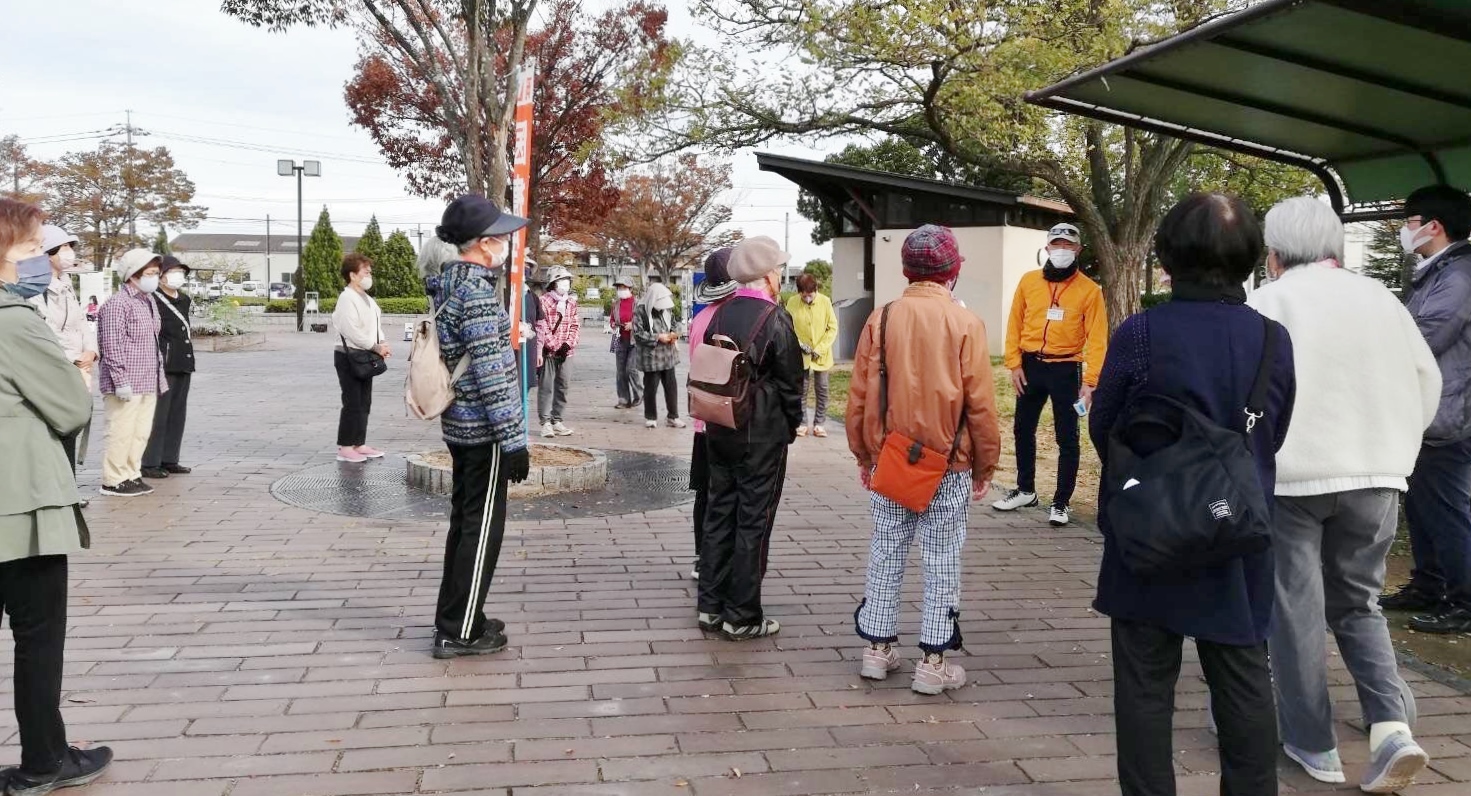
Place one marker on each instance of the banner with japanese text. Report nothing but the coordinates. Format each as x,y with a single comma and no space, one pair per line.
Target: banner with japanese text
520,190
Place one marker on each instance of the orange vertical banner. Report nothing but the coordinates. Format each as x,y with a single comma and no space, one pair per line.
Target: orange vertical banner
520,190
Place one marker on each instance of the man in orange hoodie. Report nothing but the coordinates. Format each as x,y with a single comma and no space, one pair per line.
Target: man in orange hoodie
1055,344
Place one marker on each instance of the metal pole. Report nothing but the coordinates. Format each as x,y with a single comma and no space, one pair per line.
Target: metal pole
268,257
300,275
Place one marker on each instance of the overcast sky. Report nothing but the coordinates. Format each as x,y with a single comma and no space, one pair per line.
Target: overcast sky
228,100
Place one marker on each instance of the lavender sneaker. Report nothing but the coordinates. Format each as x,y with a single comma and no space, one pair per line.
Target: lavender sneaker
1394,765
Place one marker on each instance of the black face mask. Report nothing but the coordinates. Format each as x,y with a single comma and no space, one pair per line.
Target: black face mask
1058,274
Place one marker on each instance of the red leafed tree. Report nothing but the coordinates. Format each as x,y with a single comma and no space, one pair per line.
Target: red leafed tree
669,215
591,71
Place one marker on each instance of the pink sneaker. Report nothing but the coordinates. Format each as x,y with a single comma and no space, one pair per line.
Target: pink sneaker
368,453
879,661
934,675
350,456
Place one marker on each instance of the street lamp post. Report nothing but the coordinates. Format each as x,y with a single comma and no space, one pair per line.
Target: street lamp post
309,168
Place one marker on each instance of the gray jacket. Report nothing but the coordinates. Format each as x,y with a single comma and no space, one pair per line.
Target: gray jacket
1441,304
648,324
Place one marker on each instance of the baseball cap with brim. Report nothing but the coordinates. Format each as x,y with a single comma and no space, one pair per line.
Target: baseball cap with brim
1066,232
472,216
54,237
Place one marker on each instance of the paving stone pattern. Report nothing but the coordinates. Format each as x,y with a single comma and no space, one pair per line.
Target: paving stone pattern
227,643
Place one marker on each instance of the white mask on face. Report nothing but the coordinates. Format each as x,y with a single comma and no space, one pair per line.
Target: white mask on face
625,293
148,284
1061,259
367,282
499,259
564,287
1411,239
174,279
67,257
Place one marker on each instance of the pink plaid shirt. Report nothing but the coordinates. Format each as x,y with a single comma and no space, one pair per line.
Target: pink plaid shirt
127,338
555,330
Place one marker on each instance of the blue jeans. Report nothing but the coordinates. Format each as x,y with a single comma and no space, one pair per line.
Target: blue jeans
1438,507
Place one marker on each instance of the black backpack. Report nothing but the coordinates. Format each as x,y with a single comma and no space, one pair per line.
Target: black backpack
1181,492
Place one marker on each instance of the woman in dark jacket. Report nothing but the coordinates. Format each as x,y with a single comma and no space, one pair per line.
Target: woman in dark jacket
176,345
1202,349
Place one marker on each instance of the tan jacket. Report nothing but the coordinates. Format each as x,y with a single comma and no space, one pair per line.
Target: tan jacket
939,362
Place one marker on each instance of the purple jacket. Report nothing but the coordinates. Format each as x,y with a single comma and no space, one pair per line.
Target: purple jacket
127,338
1441,304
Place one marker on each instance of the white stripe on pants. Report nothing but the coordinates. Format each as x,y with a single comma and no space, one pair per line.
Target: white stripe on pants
941,531
477,603
129,424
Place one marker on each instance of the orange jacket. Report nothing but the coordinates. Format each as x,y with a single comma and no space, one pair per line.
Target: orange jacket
1079,335
939,361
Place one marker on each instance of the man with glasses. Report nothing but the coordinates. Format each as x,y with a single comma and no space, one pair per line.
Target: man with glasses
1438,503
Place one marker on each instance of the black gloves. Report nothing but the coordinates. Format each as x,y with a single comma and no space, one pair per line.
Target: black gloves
518,465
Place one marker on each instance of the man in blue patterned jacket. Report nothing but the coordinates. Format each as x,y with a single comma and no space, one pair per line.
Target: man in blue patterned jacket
485,428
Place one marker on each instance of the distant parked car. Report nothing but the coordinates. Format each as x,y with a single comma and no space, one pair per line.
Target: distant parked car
215,292
282,290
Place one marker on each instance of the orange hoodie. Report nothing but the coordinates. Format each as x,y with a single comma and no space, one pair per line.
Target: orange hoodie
1062,321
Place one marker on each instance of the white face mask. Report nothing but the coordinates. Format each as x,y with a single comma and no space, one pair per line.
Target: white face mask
499,259
625,293
564,286
1061,259
174,279
148,284
1411,239
67,257
367,282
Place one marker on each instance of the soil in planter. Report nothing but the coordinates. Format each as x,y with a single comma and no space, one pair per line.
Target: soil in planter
541,456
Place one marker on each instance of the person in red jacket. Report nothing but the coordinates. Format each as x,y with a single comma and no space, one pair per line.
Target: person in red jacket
625,350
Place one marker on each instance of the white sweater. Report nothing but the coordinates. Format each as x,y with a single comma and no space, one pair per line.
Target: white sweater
1367,384
358,319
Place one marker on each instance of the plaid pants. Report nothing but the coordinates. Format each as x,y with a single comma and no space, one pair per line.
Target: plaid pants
941,530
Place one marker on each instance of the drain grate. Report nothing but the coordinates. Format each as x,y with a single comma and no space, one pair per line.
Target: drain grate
637,482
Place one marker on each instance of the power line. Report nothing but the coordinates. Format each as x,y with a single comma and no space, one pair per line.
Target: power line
232,125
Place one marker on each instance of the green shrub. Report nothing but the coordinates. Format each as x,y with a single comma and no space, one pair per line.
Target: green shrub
246,301
288,306
417,305
1149,300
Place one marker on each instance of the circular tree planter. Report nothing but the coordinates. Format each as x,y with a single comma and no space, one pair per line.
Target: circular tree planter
554,468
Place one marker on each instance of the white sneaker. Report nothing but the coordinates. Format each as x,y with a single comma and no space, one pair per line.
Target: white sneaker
675,422
934,675
561,430
1016,499
1058,516
651,424
548,430
878,661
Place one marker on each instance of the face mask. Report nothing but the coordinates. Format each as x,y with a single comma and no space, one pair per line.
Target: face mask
174,280
808,299
563,287
367,282
67,257
625,293
33,276
499,259
1410,240
148,284
1061,258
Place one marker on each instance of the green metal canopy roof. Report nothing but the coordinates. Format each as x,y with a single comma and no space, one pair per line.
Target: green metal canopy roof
1373,96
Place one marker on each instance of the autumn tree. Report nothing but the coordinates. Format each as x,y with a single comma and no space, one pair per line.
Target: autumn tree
951,75
591,69
20,175
669,215
101,195
321,264
396,275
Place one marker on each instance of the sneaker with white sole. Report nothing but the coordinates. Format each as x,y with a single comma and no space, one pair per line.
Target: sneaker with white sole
548,430
819,432
1394,765
675,422
1016,499
1322,766
651,424
801,431
561,430
762,629
710,623
1058,516
934,675
878,661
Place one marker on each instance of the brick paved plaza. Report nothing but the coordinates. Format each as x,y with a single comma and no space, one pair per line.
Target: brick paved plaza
226,643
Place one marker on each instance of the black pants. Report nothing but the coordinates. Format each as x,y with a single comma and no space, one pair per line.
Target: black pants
69,444
1146,664
1058,382
700,483
745,488
652,380
357,402
477,525
168,423
33,594
1438,508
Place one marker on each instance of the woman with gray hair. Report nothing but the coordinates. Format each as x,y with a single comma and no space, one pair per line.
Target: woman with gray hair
1352,444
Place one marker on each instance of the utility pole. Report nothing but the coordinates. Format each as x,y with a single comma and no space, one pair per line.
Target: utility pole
268,256
786,235
421,236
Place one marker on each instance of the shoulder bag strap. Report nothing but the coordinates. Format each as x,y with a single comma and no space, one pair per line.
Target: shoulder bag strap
884,369
169,305
1256,404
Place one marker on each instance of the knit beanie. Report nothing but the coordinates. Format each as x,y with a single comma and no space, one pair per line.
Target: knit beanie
931,254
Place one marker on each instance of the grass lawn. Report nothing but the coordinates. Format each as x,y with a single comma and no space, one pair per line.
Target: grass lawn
1452,653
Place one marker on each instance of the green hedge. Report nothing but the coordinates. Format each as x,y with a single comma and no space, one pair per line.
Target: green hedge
1149,300
418,305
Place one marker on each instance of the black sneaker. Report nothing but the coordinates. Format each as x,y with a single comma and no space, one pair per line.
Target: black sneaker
127,489
177,469
143,485
155,473
1457,620
762,629
79,767
1411,598
449,647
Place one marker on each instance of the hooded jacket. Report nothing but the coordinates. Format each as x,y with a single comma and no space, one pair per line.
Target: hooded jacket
487,408
1440,302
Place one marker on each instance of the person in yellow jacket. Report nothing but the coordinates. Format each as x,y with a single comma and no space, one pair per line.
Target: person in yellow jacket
817,329
1055,345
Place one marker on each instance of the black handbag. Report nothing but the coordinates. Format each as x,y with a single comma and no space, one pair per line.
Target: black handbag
363,363
1181,492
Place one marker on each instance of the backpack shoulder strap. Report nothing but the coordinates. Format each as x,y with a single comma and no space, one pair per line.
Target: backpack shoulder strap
1256,403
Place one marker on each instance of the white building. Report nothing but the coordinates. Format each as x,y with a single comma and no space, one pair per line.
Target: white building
240,258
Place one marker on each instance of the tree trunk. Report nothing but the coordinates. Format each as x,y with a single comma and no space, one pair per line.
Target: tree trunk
1121,265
